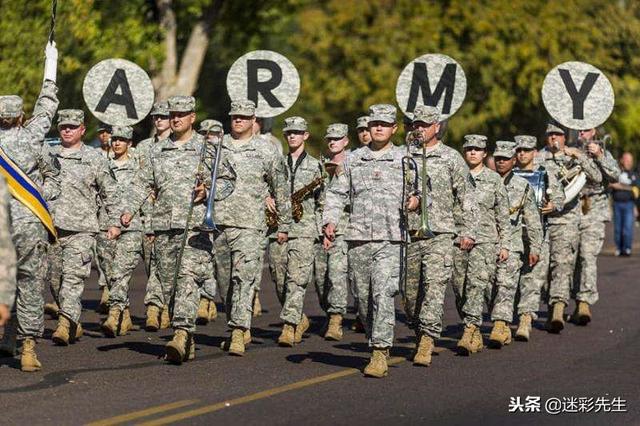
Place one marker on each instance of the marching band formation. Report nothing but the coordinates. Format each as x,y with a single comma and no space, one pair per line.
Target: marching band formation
202,209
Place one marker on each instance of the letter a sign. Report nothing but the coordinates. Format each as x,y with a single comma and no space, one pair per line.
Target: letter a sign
118,92
266,78
433,79
578,95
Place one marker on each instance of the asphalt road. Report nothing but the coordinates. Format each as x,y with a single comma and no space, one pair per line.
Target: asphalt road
125,381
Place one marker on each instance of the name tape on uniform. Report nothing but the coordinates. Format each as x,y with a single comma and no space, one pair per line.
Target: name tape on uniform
578,95
267,78
433,79
118,92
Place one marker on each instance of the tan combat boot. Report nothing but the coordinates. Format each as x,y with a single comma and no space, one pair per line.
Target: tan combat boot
465,345
125,324
103,306
476,341
153,318
29,360
524,328
8,342
177,348
582,314
377,366
555,323
78,332
257,307
213,311
165,318
246,335
287,337
334,330
192,349
301,328
236,347
61,335
500,335
111,324
52,310
424,349
202,317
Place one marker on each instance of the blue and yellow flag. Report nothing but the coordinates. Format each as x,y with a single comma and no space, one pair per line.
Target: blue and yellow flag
24,190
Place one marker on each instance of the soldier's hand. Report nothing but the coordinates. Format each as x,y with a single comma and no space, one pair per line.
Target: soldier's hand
572,152
125,219
594,149
503,255
283,237
271,204
51,61
200,193
548,208
330,231
5,314
533,259
466,243
326,243
113,233
413,203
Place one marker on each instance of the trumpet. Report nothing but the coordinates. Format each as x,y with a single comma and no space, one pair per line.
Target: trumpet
415,138
208,224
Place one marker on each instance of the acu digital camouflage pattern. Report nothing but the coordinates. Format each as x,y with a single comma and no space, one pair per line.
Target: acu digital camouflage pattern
7,252
598,103
97,81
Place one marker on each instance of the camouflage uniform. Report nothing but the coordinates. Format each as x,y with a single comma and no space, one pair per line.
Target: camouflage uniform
241,244
24,145
104,248
563,226
7,252
372,186
596,212
475,270
430,260
84,176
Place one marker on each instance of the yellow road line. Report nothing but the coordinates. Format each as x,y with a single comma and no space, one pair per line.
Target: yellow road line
259,395
143,413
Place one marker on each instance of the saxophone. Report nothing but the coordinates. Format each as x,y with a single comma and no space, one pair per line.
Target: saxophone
302,193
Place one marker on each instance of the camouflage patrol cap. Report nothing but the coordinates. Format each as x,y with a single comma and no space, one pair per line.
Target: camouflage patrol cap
243,107
337,131
382,112
210,126
74,117
426,114
554,127
362,122
506,149
10,106
122,132
293,124
160,109
525,142
475,141
182,103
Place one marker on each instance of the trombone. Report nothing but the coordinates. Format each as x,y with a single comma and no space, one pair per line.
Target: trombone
423,231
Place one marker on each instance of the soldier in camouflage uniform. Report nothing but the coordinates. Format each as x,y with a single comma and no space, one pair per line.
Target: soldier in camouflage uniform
372,184
85,177
563,224
184,254
533,278
24,145
595,213
332,279
128,250
430,252
475,268
523,213
157,307
362,128
241,244
8,256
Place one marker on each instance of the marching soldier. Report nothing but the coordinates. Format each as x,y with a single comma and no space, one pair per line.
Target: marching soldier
305,182
533,278
564,222
241,244
184,253
157,307
23,150
523,214
104,248
595,213
373,181
431,250
85,177
362,127
129,247
475,266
